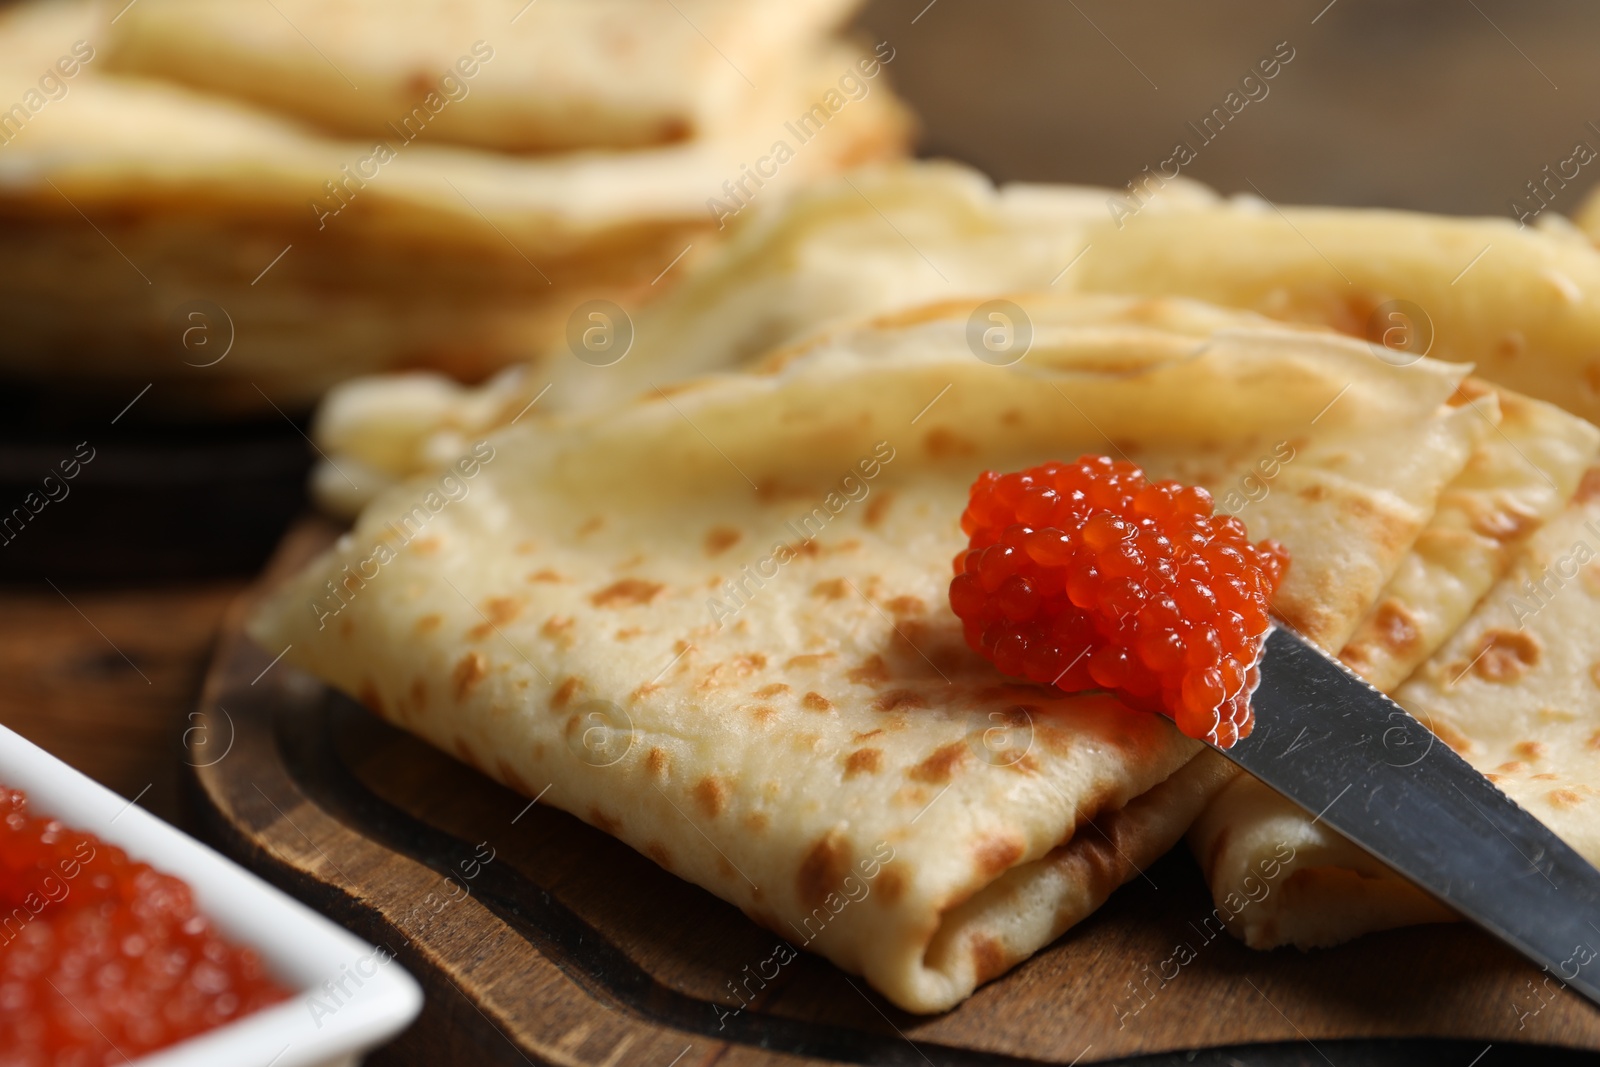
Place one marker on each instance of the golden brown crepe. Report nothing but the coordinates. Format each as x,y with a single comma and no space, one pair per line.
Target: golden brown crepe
529,75
1514,691
1519,478
128,199
1522,304
713,622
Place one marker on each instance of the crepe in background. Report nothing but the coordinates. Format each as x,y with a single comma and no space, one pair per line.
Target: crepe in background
449,258
567,74
1518,479
1522,304
877,240
1513,691
714,621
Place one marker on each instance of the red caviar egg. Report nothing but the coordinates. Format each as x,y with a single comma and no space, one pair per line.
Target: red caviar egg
103,958
1085,575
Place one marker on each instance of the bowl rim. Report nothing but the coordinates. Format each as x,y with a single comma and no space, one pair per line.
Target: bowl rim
351,996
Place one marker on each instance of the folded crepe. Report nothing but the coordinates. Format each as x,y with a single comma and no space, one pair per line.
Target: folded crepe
1496,511
879,239
713,622
566,74
130,198
1522,304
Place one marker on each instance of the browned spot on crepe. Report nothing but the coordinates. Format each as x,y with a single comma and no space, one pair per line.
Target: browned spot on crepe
428,623
656,762
813,659
763,713
591,525
988,958
815,701
755,821
425,546
370,698
1512,767
628,591
996,854
1565,798
895,699
463,751
347,627
558,628
721,538
710,796
1504,523
658,852
1396,627
878,507
1546,777
863,761
546,575
1529,749
940,767
1474,389
831,589
767,692
1504,655
1459,742
469,671
565,692
823,870
891,886
941,443
1313,493
906,605
866,735
872,671
497,611
603,822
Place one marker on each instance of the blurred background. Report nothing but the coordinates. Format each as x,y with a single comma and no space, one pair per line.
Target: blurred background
112,598
1435,105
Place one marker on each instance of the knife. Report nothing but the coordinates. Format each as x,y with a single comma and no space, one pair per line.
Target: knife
1361,763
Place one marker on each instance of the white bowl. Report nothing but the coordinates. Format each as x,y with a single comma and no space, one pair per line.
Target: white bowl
322,1027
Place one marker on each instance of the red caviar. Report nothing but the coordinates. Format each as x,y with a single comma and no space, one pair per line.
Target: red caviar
103,958
1086,576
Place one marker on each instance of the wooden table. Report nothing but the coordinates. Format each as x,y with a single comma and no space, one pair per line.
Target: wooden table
105,679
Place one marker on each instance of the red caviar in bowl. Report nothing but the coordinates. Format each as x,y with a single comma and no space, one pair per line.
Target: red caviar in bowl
103,958
1086,576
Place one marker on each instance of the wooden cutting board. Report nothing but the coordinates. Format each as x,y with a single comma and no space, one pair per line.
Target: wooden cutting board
541,940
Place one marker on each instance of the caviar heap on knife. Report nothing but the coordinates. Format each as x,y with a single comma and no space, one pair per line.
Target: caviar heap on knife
103,958
1086,576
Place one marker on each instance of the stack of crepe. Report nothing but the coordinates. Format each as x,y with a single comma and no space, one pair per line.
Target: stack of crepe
339,187
713,619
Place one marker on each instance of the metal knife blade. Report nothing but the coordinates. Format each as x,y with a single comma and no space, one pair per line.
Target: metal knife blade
1361,764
